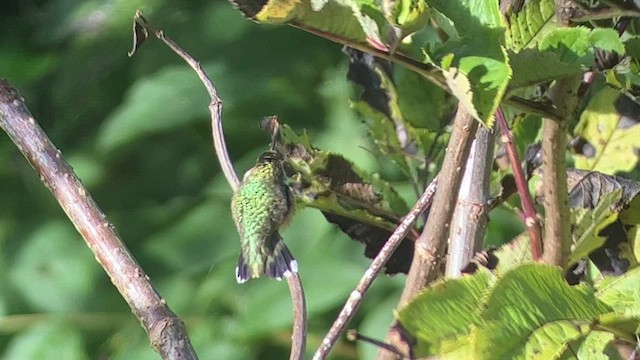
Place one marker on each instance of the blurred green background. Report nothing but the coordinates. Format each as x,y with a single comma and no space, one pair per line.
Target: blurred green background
137,132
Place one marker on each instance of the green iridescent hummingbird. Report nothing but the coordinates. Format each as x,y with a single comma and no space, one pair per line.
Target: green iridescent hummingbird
261,205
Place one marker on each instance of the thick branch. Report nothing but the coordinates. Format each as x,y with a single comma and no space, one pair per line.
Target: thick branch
429,248
354,301
166,331
557,240
469,222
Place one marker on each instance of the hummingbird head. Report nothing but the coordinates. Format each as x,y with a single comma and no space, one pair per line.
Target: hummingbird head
269,156
269,159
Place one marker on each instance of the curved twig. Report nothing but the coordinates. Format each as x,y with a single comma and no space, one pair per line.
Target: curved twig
166,331
299,336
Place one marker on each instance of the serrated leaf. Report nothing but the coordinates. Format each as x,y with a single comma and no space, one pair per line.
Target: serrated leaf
513,254
344,18
596,345
547,67
588,224
551,340
526,299
601,124
621,293
527,25
441,316
475,66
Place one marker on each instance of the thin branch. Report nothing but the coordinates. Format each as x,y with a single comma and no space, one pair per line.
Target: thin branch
354,301
353,335
299,337
429,249
166,331
528,209
469,222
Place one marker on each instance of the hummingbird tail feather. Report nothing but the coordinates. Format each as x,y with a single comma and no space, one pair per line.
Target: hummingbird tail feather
243,271
276,264
280,263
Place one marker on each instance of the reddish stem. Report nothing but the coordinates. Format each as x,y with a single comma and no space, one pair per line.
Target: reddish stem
529,211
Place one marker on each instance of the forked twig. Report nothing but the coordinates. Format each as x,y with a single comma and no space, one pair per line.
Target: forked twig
166,331
355,299
141,28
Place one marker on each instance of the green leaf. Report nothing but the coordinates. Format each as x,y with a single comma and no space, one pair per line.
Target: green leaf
526,299
615,144
551,339
475,66
588,224
169,99
596,345
606,39
621,293
513,254
363,205
47,340
525,27
52,271
344,18
548,67
441,316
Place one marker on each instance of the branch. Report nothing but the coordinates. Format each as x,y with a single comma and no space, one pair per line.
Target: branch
166,331
429,248
528,209
557,235
469,222
354,301
430,245
564,95
299,337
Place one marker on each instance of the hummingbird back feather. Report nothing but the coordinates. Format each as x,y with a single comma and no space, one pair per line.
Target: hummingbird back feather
261,205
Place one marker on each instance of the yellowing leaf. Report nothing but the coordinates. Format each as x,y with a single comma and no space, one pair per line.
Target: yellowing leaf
616,146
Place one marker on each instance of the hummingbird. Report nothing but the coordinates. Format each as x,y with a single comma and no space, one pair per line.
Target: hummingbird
262,204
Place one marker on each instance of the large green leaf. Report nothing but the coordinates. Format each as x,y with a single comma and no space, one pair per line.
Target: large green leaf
526,299
603,126
441,316
529,24
560,52
622,293
475,65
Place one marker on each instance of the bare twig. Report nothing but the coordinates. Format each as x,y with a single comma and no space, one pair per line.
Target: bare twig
469,223
353,335
299,337
354,301
166,331
530,217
